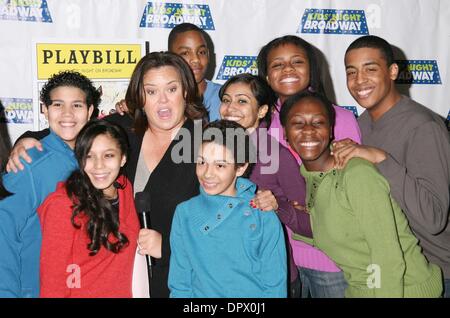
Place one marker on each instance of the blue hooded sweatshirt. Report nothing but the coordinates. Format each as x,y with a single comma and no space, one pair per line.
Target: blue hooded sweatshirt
20,231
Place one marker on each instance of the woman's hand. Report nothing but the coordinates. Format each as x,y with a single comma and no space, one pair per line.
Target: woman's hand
298,206
264,200
20,151
149,243
121,107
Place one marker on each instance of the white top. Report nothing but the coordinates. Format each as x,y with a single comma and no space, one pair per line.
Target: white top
140,285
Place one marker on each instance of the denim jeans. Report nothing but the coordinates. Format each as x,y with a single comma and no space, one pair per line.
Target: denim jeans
446,288
295,288
318,284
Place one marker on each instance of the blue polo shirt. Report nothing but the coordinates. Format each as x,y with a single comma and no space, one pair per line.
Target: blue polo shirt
211,100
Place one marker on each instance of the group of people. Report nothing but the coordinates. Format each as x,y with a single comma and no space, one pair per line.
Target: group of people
284,195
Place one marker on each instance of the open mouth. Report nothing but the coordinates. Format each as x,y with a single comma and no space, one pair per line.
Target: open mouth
100,176
309,144
164,113
364,93
197,70
67,124
233,118
289,80
209,185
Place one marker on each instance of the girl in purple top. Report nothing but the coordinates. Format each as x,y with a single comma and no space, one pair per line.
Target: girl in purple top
248,100
289,64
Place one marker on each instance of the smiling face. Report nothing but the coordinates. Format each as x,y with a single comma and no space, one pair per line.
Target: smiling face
309,133
288,70
191,46
67,113
216,169
370,81
240,105
103,163
164,98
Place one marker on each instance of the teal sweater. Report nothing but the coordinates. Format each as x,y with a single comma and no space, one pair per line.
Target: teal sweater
222,247
356,222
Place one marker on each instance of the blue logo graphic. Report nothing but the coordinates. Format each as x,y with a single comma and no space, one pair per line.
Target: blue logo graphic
236,64
17,110
31,10
169,15
353,109
418,72
331,21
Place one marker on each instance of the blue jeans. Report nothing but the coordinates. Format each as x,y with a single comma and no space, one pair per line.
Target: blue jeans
295,289
446,288
318,284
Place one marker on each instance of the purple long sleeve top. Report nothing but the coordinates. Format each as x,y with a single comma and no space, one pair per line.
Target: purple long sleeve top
277,170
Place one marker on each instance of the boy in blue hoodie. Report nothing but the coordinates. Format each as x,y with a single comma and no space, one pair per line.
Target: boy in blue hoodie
221,245
69,99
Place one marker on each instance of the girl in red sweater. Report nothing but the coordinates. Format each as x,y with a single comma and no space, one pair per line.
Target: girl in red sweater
89,224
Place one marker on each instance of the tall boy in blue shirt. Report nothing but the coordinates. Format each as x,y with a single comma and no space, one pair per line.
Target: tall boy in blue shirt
221,245
69,100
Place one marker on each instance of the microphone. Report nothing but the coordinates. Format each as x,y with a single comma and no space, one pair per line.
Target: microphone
142,202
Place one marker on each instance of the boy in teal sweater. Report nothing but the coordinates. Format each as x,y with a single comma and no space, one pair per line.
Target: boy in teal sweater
69,100
355,221
221,245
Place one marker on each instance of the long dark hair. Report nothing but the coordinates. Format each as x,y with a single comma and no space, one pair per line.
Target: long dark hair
89,201
135,97
315,77
263,93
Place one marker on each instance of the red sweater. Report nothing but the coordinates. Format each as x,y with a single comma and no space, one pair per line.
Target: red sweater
66,269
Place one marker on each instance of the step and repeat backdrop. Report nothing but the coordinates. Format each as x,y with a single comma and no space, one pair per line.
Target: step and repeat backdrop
104,39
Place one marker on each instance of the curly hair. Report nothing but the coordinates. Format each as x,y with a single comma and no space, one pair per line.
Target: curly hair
89,201
72,79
